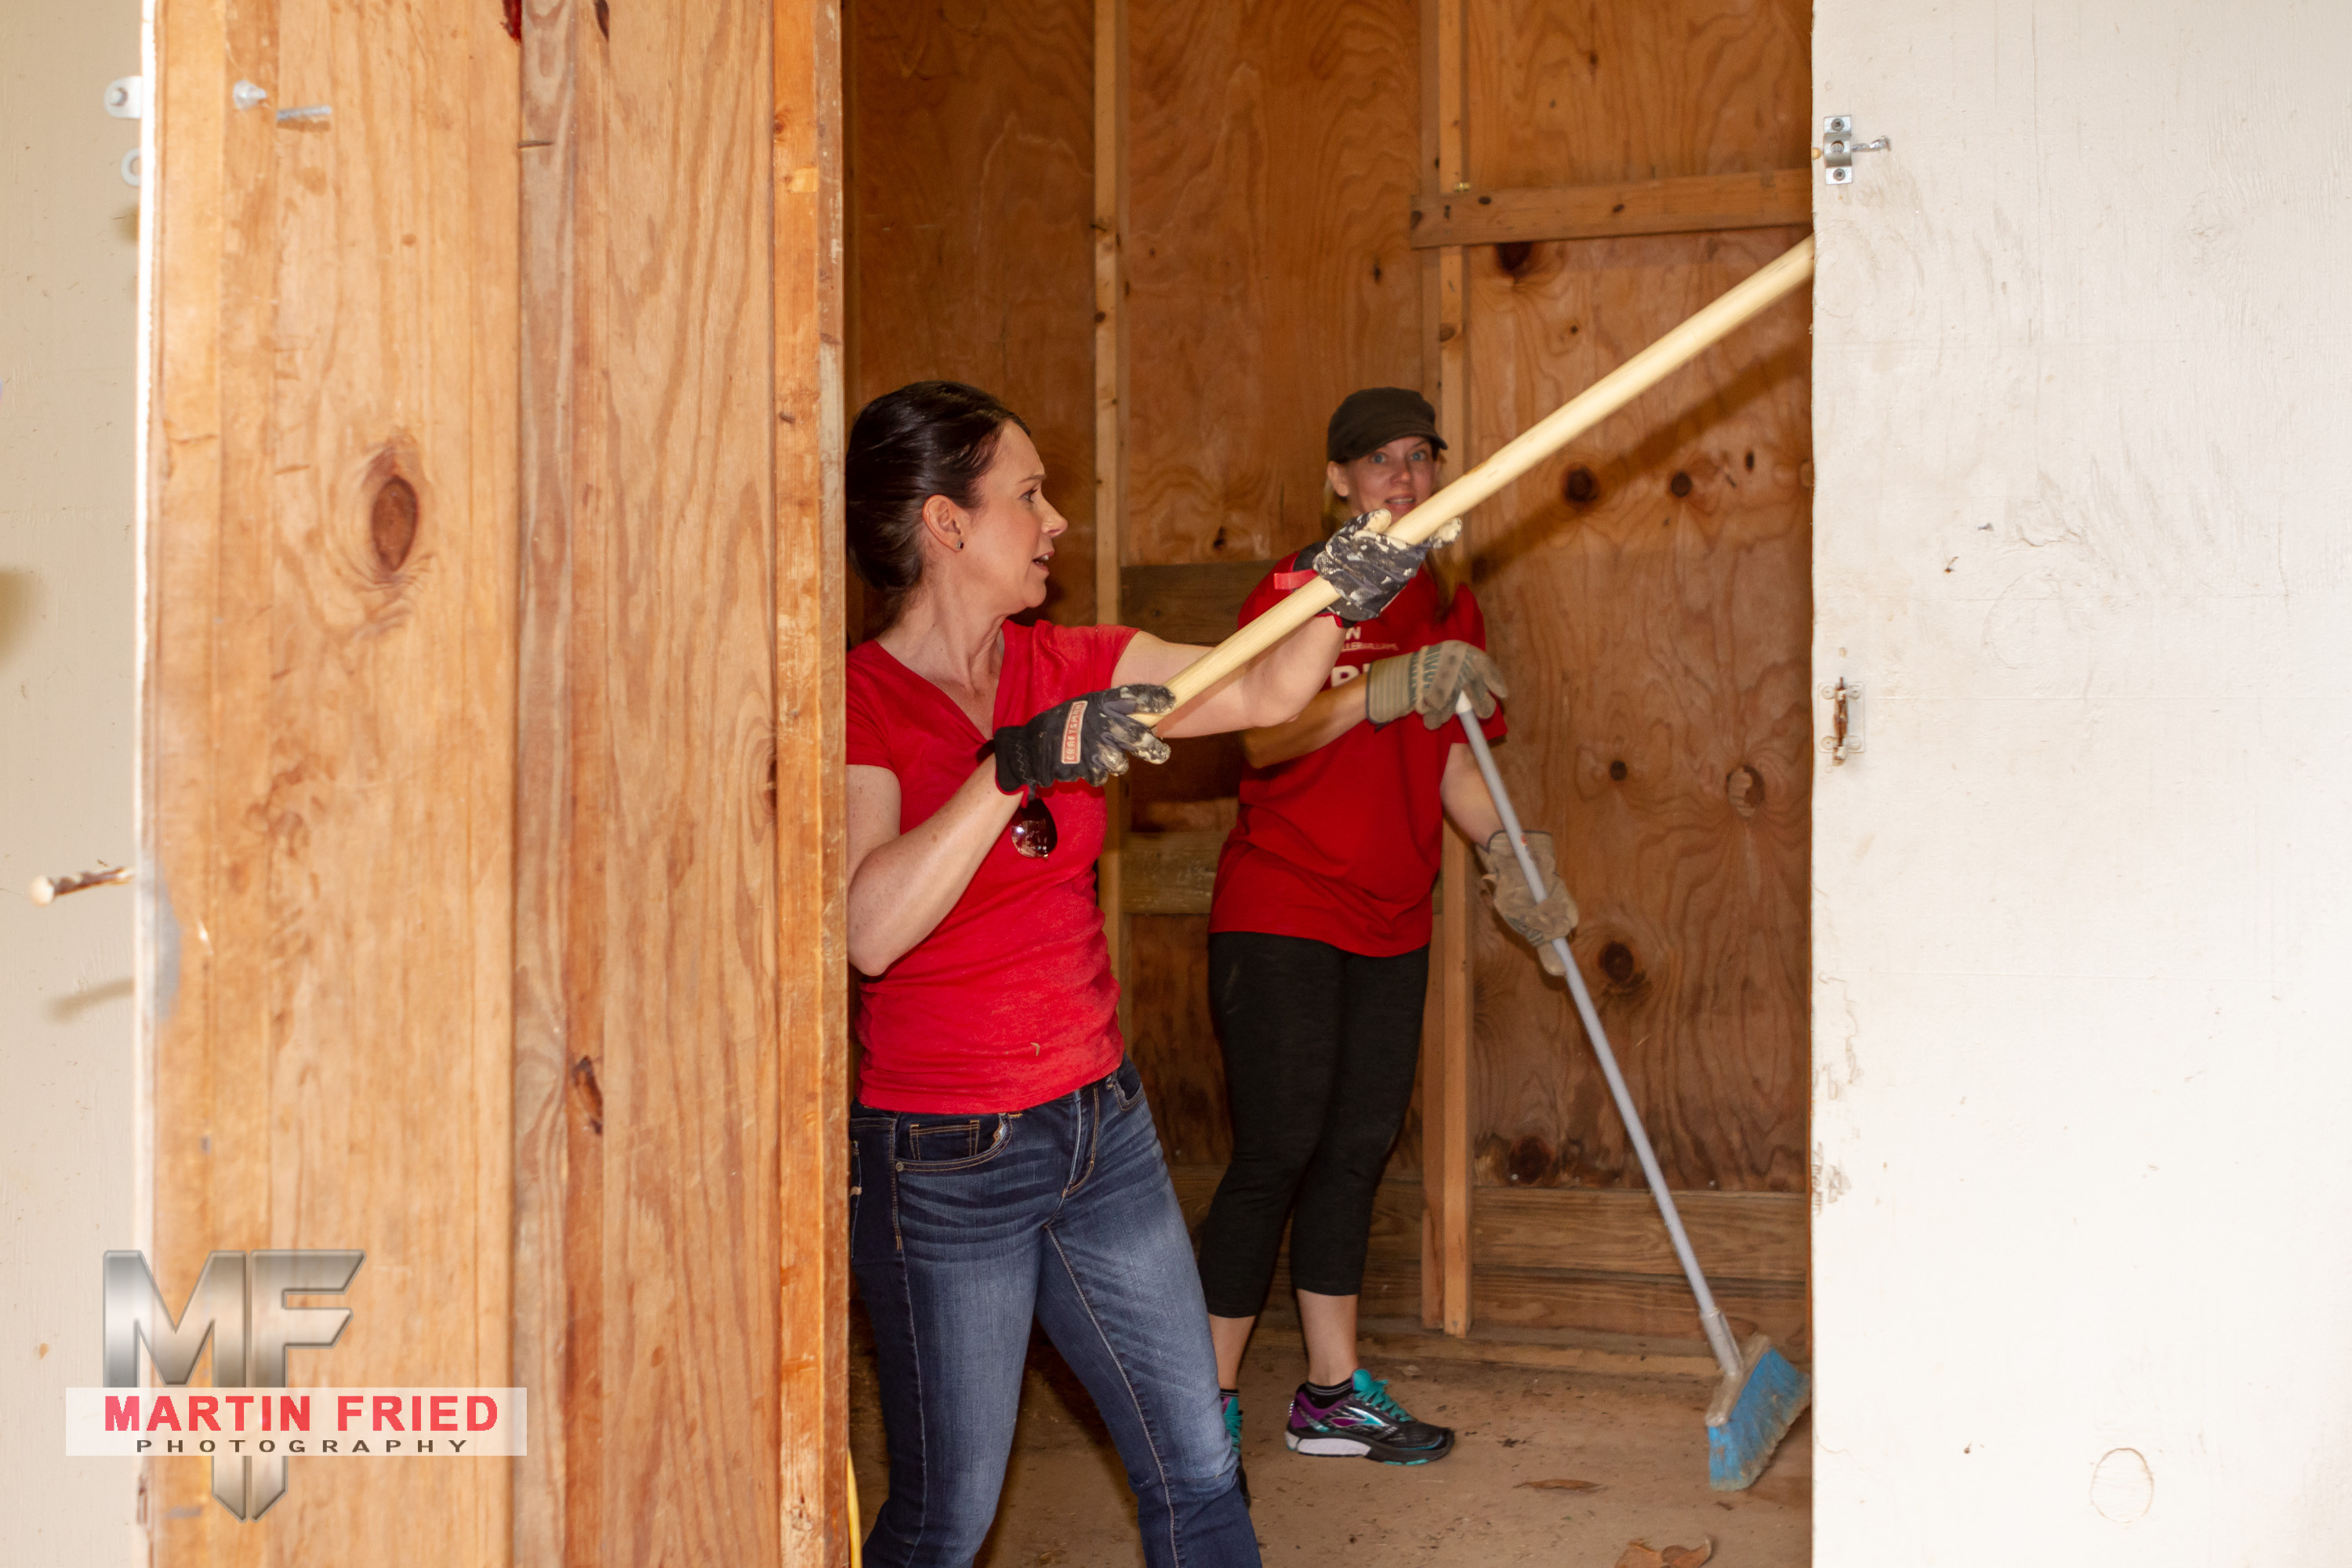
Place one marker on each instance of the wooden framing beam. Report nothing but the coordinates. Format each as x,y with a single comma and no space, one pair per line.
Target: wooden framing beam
1690,204
1445,369
808,796
1111,221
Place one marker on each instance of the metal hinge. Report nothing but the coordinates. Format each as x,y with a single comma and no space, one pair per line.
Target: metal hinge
1844,738
1838,148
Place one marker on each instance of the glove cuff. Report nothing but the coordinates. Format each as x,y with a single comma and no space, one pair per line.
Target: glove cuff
1388,690
1008,767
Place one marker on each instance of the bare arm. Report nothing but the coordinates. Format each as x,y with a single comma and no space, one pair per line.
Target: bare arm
1270,690
1464,793
901,885
1335,711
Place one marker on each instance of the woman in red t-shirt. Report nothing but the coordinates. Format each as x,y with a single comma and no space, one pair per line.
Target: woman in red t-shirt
1003,1161
1318,946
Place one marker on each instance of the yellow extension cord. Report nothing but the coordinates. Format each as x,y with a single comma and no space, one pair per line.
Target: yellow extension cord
856,1526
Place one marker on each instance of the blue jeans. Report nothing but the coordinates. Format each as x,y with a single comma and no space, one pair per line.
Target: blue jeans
965,1227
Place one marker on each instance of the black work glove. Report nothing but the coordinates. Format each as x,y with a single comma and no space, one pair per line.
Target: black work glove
1368,569
1088,737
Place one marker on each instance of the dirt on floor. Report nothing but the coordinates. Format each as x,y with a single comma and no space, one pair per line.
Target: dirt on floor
1640,1442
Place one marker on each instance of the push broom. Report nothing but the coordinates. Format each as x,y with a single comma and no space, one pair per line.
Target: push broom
1761,1393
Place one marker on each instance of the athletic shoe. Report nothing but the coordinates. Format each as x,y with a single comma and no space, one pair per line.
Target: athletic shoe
1233,1405
1363,1422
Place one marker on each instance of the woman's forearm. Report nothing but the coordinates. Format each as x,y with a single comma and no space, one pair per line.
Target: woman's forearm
901,889
1331,713
1464,793
1271,690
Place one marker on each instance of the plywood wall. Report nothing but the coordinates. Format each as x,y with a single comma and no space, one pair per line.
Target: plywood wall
1649,594
329,723
971,170
1272,151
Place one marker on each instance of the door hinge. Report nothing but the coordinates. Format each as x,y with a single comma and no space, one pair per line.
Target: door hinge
1844,738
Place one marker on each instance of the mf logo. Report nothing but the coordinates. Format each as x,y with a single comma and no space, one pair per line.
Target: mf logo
239,1302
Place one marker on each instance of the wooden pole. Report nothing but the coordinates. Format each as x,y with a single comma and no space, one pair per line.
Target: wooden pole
1522,453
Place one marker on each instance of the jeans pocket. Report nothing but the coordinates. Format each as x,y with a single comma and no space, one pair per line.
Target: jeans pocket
1127,1085
949,1143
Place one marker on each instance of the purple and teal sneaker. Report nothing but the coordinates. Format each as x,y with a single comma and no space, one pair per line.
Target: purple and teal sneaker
1233,1408
1363,1422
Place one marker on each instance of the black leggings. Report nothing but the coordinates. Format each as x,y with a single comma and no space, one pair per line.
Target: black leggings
1320,1047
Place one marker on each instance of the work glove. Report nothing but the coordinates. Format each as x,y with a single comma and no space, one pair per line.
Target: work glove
1426,680
1088,737
1507,889
1368,569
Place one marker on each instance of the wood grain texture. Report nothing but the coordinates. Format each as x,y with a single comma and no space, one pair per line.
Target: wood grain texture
1564,1259
1654,631
1589,95
1170,873
328,711
973,165
805,769
1739,1235
652,1087
1690,204
1172,1042
1110,83
1198,603
1271,154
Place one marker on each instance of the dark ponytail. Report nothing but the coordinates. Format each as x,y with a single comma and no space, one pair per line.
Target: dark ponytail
928,438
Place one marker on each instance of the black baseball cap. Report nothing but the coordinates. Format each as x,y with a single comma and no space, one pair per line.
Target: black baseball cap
1369,419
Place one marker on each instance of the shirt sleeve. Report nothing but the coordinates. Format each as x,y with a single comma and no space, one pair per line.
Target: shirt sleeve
866,731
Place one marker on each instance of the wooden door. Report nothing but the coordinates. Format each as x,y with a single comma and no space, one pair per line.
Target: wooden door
492,609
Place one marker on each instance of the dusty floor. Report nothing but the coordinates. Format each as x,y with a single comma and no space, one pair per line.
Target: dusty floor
1642,1439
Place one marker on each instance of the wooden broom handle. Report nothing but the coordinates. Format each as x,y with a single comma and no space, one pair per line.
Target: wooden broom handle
1523,452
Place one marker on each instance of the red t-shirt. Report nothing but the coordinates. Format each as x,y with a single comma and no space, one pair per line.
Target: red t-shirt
1010,1002
1341,845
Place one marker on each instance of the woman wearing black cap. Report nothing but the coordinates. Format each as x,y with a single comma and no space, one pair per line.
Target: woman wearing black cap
1319,944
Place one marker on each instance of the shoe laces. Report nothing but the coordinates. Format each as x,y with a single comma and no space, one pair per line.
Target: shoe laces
1374,1392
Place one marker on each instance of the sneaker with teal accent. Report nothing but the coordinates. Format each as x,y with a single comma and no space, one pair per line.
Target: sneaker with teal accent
1233,1405
1363,1423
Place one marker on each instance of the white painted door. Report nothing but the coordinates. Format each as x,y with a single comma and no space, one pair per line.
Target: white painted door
2082,908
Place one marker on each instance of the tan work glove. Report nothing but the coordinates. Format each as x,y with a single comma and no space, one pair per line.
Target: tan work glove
1507,889
1425,680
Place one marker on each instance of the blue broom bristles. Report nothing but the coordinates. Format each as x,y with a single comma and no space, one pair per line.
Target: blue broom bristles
1771,1396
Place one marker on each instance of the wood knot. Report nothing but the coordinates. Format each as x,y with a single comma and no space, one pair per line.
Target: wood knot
1617,770
1531,1162
587,1095
1617,963
391,522
1744,787
1680,484
1581,488
1514,255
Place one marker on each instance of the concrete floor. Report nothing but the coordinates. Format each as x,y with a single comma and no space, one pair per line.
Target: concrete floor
1642,1438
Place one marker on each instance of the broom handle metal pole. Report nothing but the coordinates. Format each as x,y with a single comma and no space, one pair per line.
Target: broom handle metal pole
1719,1332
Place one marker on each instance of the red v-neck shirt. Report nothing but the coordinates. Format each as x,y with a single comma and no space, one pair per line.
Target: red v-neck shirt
1010,1002
1341,845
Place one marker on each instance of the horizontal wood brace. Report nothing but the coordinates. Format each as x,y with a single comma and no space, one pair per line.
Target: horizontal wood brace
1687,204
1168,873
1188,604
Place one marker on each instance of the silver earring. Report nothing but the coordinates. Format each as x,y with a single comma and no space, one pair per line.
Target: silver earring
959,544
